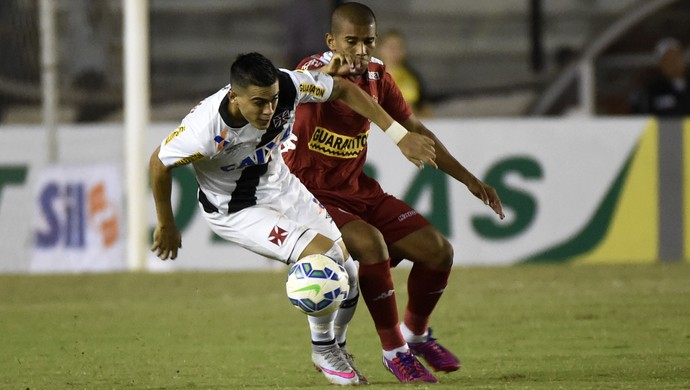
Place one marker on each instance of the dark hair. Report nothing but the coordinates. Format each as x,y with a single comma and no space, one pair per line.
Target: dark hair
355,13
252,69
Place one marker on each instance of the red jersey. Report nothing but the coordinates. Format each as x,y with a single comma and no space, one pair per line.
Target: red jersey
331,146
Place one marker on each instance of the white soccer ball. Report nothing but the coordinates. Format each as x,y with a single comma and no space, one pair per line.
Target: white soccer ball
316,285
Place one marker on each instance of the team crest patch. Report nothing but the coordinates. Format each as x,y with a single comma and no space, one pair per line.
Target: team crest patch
318,204
278,235
220,140
314,62
279,120
322,209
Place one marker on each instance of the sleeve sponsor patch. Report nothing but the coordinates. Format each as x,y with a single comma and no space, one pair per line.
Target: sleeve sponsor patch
314,63
174,134
311,89
183,161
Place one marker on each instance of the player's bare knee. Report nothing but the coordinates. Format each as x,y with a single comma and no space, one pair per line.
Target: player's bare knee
365,243
311,243
442,255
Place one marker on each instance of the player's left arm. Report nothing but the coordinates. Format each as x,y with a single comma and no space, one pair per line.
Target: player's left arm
317,87
359,101
166,236
450,165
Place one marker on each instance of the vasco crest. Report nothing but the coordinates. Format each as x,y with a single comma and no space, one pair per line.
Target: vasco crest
280,119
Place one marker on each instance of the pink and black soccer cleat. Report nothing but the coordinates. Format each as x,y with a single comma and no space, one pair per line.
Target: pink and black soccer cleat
331,362
438,357
407,368
351,361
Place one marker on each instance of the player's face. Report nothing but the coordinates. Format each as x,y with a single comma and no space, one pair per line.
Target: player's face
357,41
256,105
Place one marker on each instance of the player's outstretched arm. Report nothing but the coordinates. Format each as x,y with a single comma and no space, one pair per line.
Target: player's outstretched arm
166,237
417,148
450,165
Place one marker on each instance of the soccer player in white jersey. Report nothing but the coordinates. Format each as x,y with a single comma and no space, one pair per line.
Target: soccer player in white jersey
246,192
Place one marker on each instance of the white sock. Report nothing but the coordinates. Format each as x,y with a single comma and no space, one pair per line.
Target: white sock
342,320
390,355
322,327
411,337
348,307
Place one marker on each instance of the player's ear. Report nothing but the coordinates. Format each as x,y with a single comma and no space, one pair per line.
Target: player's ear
330,41
232,96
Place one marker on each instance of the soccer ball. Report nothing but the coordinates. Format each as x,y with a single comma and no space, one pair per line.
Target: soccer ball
316,285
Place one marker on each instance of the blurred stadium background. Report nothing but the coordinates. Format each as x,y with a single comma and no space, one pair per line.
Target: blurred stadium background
487,58
533,96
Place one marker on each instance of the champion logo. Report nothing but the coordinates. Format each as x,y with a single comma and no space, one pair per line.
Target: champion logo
385,295
278,235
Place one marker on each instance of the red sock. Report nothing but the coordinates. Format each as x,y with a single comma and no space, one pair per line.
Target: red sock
377,289
424,287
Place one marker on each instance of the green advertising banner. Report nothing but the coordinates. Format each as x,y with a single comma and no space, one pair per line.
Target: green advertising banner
575,191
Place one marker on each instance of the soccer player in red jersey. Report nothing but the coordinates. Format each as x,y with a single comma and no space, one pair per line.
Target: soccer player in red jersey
328,157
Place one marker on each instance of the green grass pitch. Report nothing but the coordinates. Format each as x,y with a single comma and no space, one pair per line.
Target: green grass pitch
520,327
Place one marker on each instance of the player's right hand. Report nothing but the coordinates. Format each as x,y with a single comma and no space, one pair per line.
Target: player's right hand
166,241
340,65
419,149
486,194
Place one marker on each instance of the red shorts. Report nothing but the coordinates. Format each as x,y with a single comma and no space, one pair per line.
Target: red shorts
394,218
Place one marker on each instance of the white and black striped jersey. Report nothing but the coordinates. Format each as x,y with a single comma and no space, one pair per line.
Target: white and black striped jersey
241,167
